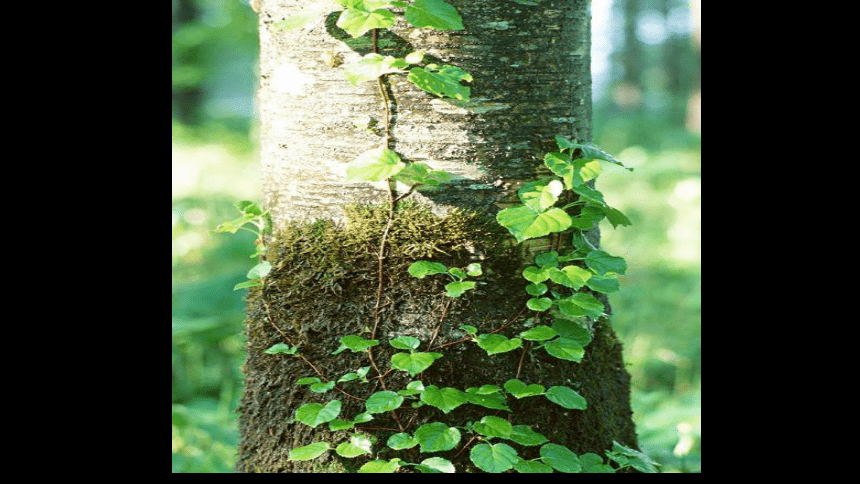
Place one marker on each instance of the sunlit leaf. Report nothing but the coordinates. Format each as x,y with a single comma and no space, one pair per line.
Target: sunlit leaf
434,14
524,223
374,165
308,452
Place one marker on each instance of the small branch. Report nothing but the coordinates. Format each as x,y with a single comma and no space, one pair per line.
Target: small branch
445,309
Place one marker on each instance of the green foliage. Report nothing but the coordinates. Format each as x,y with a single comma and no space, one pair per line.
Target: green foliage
567,206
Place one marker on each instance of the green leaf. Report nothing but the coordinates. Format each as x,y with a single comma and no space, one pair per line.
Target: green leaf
566,397
539,333
437,464
308,380
524,223
401,441
604,284
373,65
308,452
593,464
313,414
441,81
589,194
572,330
434,14
248,207
560,164
539,304
355,343
535,275
532,466
591,151
233,225
540,195
524,435
405,343
360,374
383,401
421,174
358,18
413,388
474,269
581,304
519,389
636,459
281,349
437,437
469,329
374,165
494,457
495,401
496,343
457,272
569,276
547,259
564,143
260,270
338,424
615,216
413,363
423,268
560,458
380,467
491,426
357,445
457,288
243,285
536,289
601,262
322,387
485,389
445,399
565,349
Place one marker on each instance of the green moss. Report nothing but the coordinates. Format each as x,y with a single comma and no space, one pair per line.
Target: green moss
324,285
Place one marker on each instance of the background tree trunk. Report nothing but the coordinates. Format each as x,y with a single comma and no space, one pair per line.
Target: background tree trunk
530,65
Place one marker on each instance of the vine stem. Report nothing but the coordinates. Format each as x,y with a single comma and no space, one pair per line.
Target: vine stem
316,370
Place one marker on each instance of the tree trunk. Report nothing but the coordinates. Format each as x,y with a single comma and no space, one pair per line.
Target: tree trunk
531,81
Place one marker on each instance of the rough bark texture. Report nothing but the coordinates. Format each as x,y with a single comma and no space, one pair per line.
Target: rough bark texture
530,66
531,70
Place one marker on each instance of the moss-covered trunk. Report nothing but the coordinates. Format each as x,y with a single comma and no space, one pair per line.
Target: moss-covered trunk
530,65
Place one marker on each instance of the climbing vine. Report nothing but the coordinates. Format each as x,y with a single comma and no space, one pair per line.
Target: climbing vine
561,284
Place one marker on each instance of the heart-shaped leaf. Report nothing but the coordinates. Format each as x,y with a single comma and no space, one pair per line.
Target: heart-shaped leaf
308,452
524,223
314,414
445,399
566,397
374,165
437,437
434,14
494,457
519,389
496,343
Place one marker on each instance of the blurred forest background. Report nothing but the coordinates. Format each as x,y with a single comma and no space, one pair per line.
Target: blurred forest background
646,66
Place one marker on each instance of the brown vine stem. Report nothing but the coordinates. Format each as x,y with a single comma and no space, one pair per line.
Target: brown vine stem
470,338
290,342
393,199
